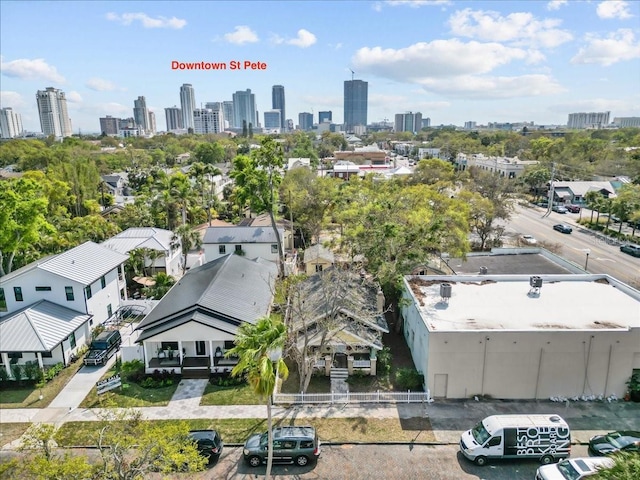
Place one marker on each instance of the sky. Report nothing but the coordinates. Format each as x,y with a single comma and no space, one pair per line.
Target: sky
453,61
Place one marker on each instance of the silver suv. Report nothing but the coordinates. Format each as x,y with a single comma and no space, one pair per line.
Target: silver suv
299,445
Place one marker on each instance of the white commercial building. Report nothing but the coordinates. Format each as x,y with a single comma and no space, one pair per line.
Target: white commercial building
497,335
10,123
52,109
207,120
187,104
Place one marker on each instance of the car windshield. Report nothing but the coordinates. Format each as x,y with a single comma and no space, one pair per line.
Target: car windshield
480,433
617,440
568,471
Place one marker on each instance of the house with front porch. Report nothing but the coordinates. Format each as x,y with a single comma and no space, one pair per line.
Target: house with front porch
195,323
49,307
338,317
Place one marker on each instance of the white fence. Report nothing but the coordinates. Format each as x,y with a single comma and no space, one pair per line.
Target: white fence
349,397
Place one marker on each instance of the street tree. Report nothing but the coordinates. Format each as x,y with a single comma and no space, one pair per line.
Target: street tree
259,350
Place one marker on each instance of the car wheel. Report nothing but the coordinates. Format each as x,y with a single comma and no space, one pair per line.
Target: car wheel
481,461
301,461
254,461
546,460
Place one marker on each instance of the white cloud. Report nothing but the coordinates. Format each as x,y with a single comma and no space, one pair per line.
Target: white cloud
614,9
417,3
31,69
304,39
112,108
437,59
241,35
377,6
519,27
147,21
100,85
11,99
556,4
74,97
619,46
494,87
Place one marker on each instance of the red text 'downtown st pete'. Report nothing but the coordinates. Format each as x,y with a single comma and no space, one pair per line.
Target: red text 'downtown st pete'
232,65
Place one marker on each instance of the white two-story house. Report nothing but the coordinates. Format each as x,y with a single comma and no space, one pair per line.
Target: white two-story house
249,242
49,307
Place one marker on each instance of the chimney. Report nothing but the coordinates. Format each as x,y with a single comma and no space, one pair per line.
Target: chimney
380,301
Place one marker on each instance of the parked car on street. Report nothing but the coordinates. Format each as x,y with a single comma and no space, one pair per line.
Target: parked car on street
573,468
209,443
631,249
559,209
562,228
613,442
299,445
528,239
573,208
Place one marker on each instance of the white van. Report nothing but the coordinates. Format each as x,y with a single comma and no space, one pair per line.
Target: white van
544,437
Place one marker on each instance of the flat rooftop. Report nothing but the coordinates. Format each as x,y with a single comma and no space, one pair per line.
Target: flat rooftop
523,261
494,302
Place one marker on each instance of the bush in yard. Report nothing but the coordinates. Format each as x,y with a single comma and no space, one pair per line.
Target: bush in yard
17,372
4,376
384,362
51,372
133,371
409,379
32,371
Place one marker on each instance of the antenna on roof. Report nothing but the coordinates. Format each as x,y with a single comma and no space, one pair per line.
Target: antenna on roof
352,74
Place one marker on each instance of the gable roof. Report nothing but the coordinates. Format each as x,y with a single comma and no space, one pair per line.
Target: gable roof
317,252
241,235
83,264
39,327
221,294
140,237
581,188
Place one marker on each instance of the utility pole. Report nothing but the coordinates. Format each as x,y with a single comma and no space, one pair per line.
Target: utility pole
551,191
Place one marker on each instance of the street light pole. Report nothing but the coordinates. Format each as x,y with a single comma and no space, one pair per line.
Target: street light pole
586,262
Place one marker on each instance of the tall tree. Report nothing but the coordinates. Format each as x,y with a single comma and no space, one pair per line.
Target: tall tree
187,239
258,347
257,178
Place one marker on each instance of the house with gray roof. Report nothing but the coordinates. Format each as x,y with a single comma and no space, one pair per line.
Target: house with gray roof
51,305
196,322
575,192
158,239
249,242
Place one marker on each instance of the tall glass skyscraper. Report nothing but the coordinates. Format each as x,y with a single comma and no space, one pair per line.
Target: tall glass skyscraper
355,103
141,113
244,108
277,103
187,104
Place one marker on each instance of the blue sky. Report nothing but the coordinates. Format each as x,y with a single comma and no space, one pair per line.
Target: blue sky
498,61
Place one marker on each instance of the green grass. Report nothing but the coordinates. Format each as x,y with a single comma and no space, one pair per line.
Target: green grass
237,430
129,395
233,395
12,431
13,396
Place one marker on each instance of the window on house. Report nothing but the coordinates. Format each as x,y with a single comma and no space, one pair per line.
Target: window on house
3,301
222,249
109,311
228,344
170,345
238,248
69,292
72,340
47,354
43,289
318,268
103,282
274,248
87,291
17,292
15,355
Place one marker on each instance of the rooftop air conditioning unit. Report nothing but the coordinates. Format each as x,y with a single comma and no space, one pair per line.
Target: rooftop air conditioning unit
483,270
535,281
445,290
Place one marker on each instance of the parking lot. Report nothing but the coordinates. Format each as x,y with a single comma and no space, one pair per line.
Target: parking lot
371,462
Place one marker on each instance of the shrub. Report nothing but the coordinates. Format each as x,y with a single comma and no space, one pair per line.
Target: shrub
133,371
97,331
51,372
17,371
4,376
409,379
383,365
32,371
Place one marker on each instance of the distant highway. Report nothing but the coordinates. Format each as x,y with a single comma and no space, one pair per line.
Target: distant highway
603,257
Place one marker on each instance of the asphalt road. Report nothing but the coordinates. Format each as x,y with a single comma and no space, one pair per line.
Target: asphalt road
603,257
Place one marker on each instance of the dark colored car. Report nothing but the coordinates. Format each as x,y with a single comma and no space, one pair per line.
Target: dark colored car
208,442
631,249
573,208
619,441
299,445
562,228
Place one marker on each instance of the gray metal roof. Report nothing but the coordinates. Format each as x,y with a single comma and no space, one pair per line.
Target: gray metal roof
84,263
39,327
230,289
241,235
140,237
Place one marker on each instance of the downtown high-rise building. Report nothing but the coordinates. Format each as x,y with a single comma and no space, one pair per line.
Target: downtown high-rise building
173,116
244,109
141,113
325,117
52,109
10,123
208,120
408,122
152,122
355,104
187,104
278,103
588,120
109,125
273,120
305,121
228,113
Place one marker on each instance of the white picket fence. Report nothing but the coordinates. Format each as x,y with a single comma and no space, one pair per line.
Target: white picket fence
351,397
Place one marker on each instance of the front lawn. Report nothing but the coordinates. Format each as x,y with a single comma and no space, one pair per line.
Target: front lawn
229,395
28,396
130,394
11,431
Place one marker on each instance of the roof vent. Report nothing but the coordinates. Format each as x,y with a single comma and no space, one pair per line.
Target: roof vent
445,291
483,270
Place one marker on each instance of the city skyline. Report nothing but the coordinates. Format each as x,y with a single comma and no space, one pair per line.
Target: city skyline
454,61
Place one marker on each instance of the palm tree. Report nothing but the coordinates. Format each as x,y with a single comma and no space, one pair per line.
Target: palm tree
186,238
626,467
255,346
162,285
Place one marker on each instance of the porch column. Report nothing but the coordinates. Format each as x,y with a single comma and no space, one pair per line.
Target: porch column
5,361
210,354
180,351
350,364
373,366
39,358
327,365
146,355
